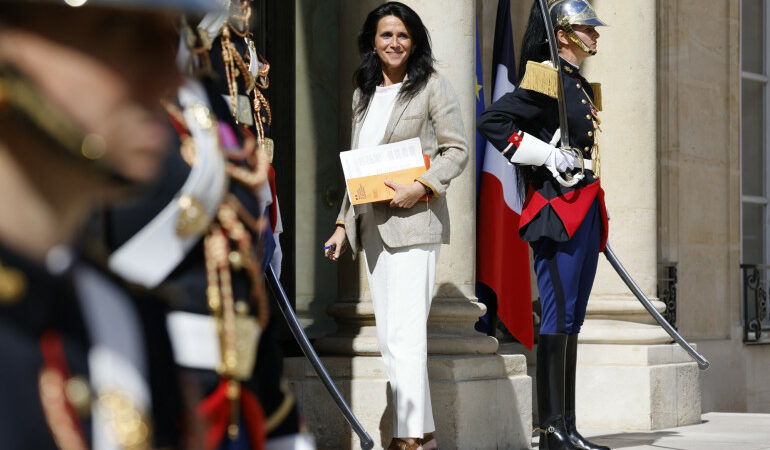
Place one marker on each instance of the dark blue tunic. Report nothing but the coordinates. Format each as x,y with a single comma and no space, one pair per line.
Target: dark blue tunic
566,226
550,209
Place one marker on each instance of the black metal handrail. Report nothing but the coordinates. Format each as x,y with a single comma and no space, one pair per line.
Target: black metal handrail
755,312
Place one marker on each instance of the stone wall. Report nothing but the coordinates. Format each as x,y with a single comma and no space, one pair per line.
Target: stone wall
699,194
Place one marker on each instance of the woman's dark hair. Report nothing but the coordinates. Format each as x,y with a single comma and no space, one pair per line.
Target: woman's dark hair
419,66
534,45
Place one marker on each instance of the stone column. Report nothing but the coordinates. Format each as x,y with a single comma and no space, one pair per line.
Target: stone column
480,400
316,187
628,172
626,363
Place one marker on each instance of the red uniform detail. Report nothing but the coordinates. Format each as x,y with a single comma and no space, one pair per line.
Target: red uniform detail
273,213
254,417
532,205
515,139
52,350
215,412
179,127
573,206
605,220
570,207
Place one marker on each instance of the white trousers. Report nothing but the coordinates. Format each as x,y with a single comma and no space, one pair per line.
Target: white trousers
401,284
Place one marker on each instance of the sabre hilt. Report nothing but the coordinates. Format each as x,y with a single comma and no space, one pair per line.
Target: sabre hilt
568,180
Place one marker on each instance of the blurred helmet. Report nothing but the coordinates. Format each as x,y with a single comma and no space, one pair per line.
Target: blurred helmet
21,94
567,13
177,5
167,5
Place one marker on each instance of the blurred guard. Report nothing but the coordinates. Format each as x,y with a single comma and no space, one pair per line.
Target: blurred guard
219,182
85,363
564,221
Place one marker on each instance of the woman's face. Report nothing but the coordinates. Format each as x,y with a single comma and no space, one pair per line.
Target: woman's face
393,42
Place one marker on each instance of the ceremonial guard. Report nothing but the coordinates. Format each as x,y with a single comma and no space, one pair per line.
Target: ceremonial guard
86,361
207,232
563,216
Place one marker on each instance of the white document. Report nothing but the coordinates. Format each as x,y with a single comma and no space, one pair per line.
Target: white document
382,159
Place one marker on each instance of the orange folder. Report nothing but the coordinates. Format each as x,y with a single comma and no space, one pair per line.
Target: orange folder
373,189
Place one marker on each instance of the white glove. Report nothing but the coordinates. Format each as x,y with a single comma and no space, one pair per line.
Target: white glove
563,160
534,152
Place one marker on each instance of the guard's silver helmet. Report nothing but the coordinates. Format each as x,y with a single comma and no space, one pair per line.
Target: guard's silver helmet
566,13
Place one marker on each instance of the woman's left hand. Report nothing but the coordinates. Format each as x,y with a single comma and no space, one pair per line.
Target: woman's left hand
406,195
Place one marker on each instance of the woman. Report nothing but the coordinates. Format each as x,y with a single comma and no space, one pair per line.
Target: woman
565,225
400,96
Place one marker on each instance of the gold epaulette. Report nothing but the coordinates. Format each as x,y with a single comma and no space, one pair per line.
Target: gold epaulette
541,77
597,88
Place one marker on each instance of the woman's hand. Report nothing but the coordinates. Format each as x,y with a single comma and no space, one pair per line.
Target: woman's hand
406,195
335,245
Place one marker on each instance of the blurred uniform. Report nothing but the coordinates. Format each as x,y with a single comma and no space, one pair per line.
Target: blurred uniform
219,278
79,354
86,360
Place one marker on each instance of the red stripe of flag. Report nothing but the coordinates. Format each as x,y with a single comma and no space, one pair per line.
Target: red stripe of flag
502,259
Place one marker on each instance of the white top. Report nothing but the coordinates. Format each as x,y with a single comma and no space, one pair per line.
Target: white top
376,120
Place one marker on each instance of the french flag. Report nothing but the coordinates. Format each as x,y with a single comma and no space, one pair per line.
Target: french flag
268,202
502,258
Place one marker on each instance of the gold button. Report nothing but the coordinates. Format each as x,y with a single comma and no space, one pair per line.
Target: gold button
578,85
79,395
93,147
192,218
588,116
590,133
127,422
586,149
214,302
13,285
233,390
241,307
236,260
583,101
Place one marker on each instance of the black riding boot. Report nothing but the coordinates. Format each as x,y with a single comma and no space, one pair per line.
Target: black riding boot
551,349
569,399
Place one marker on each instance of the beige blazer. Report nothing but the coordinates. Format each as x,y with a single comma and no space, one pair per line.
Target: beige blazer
434,116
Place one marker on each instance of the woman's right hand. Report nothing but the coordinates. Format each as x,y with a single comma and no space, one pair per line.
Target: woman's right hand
338,242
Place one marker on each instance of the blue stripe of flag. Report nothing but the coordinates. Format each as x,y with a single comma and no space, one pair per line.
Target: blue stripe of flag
479,89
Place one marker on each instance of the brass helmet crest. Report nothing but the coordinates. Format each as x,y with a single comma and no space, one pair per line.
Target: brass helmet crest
567,13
